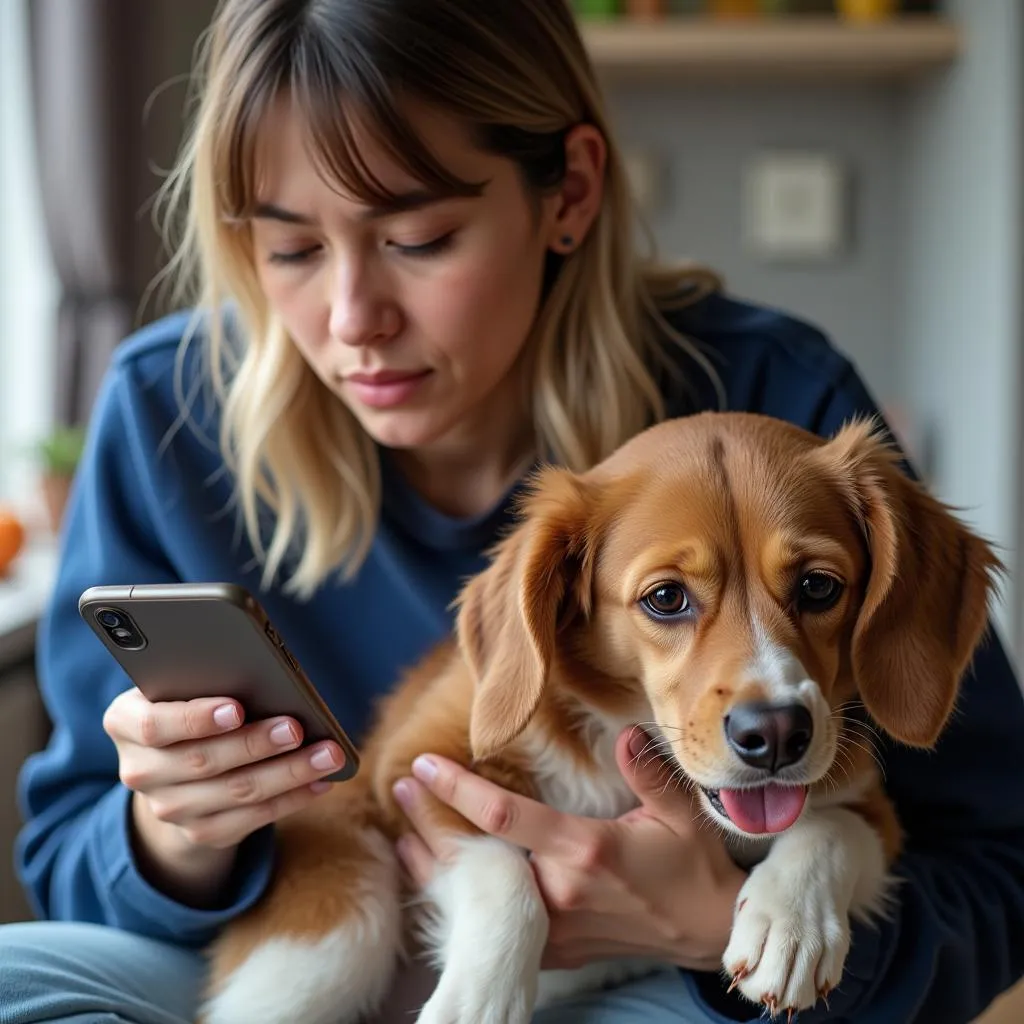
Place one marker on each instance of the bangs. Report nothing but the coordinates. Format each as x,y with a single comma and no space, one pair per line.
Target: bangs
344,104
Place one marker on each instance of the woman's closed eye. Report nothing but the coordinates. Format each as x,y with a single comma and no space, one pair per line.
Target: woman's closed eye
293,256
420,250
432,247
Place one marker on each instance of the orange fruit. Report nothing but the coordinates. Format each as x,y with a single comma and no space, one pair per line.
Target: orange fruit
12,538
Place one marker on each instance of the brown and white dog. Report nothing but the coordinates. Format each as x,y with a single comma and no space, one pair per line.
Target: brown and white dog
739,582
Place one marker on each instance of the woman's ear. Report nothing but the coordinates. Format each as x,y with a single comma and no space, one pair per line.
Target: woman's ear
574,208
509,614
926,601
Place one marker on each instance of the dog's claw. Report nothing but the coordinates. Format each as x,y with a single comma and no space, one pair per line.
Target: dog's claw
740,974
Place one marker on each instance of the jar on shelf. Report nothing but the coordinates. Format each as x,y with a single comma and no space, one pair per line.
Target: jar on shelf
866,10
686,7
646,10
734,8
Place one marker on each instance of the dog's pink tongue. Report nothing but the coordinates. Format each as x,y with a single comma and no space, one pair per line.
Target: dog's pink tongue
771,808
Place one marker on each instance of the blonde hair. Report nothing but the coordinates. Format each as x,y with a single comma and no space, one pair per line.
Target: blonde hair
517,73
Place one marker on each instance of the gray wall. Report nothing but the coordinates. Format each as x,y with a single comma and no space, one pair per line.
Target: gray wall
706,136
959,311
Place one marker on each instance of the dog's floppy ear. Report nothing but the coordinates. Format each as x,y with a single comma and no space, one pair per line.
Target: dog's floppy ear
509,614
926,601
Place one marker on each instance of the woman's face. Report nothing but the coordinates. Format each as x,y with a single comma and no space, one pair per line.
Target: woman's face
414,316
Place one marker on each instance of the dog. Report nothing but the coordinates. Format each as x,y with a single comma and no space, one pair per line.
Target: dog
767,598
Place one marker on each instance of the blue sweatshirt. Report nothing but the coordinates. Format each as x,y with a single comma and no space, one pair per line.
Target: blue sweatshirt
145,509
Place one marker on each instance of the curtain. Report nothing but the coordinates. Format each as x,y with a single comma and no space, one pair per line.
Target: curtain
109,103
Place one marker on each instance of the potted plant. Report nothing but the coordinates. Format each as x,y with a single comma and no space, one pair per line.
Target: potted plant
58,454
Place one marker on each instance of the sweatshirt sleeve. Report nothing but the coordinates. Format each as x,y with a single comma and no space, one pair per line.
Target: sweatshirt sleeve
74,852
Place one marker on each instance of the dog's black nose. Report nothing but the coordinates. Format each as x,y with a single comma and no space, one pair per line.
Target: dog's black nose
769,736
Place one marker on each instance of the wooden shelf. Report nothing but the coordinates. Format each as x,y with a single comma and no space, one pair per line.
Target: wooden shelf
795,48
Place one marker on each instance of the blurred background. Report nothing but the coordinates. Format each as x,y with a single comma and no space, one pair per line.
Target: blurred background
857,162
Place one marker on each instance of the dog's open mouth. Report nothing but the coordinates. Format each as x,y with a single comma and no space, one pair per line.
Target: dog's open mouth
766,809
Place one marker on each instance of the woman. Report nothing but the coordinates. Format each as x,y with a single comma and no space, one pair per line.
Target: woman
412,239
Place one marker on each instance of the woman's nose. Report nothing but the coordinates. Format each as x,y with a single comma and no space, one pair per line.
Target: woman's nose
361,310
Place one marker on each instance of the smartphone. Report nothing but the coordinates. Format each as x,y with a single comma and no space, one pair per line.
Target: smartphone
179,641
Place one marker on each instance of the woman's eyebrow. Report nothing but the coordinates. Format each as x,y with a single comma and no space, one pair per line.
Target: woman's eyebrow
401,202
269,211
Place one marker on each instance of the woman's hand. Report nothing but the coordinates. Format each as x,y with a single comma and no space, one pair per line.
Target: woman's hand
652,883
202,781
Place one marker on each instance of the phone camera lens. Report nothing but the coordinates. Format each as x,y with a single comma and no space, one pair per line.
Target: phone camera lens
119,627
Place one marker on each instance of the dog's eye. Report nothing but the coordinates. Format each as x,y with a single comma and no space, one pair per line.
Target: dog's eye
666,599
818,592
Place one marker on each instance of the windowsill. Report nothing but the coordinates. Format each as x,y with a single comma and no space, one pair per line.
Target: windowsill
24,592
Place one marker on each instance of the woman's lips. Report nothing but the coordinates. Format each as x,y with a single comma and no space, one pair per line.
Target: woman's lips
386,389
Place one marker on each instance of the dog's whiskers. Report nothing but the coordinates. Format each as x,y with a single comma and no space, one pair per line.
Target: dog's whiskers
849,742
679,777
844,766
658,746
854,733
857,727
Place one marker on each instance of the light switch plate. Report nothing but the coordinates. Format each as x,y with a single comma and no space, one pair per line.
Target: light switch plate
794,206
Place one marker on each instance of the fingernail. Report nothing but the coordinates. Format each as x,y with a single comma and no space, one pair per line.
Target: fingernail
403,792
226,717
425,769
283,734
320,786
638,741
323,759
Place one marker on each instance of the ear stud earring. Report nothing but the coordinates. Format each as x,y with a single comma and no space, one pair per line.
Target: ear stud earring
567,242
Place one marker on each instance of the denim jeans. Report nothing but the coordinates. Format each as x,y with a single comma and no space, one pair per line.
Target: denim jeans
88,974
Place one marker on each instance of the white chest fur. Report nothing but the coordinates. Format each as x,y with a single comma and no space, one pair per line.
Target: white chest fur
600,792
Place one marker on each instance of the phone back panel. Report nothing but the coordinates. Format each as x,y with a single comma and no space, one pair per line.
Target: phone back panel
213,640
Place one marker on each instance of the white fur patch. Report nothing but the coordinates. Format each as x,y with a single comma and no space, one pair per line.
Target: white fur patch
487,936
335,980
775,666
791,934
786,681
601,794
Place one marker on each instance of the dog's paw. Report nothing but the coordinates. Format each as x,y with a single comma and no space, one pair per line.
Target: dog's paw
789,941
464,998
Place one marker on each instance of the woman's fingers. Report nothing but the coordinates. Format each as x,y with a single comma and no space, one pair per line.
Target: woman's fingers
657,784
195,760
248,786
131,718
417,859
228,828
516,819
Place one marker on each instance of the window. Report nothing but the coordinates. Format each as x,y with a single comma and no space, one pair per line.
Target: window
28,283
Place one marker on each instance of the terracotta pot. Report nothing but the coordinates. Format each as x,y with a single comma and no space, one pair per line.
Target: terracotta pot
55,488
